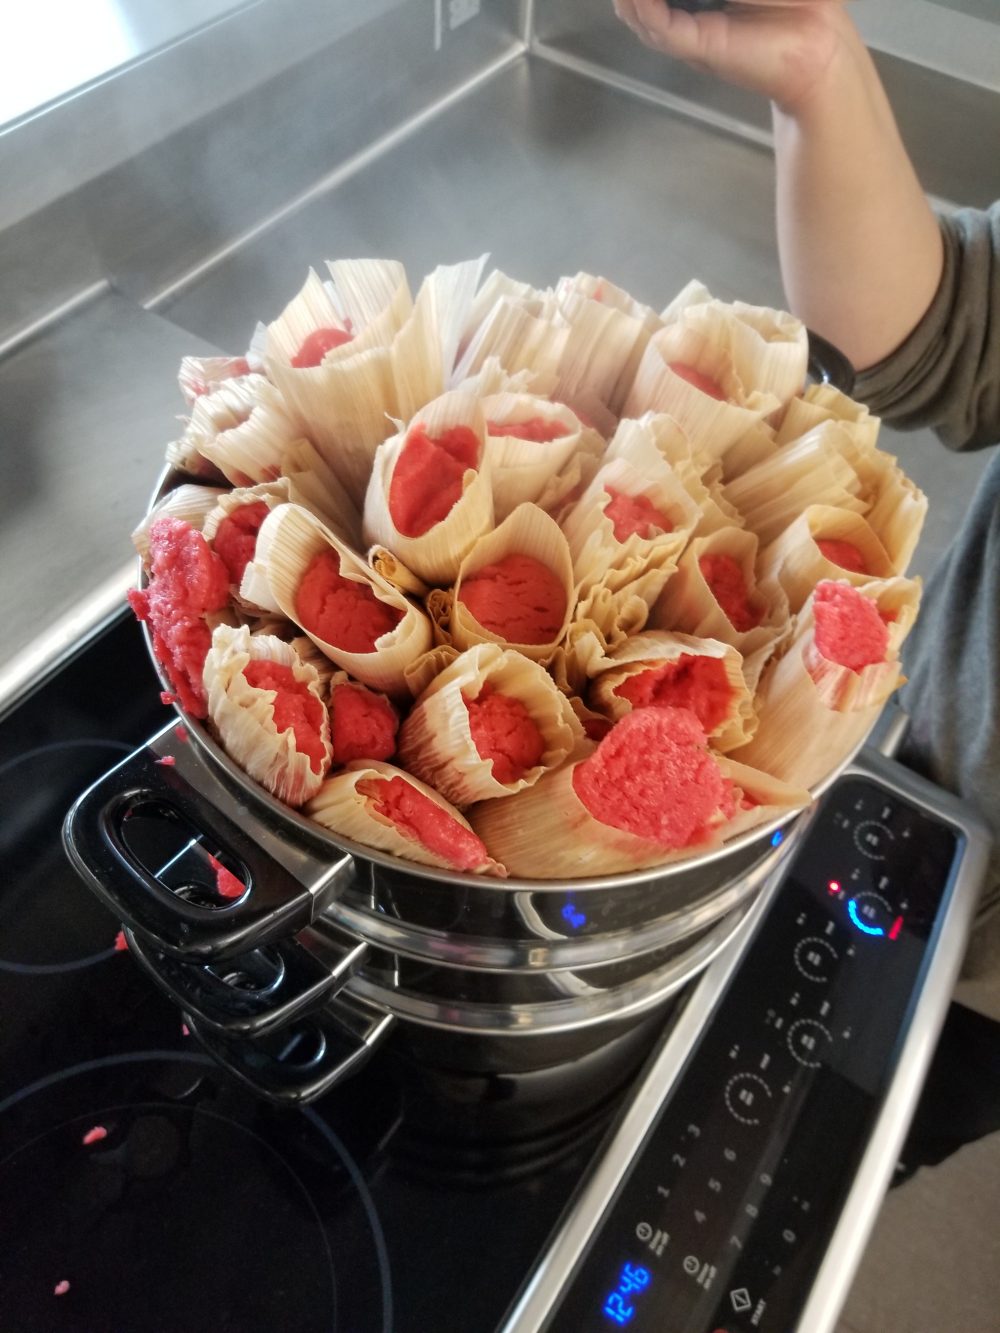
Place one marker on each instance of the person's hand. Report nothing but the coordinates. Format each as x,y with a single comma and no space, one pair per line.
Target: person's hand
779,50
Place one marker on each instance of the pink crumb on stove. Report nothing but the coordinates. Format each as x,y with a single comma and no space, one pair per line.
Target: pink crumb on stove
635,515
729,588
427,479
185,1030
121,943
519,599
654,776
363,724
236,537
61,1288
95,1135
504,733
187,579
226,883
294,707
420,819
342,611
182,734
842,553
849,629
167,698
541,430
697,683
167,761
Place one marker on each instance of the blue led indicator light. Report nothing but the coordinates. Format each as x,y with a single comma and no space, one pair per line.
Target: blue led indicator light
852,911
576,919
618,1307
777,839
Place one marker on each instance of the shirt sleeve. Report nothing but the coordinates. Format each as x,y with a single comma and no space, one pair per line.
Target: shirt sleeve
946,375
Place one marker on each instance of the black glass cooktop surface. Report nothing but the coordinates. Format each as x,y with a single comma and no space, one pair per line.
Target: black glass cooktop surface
144,1190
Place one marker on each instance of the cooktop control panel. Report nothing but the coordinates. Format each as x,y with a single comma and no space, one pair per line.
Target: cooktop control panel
725,1214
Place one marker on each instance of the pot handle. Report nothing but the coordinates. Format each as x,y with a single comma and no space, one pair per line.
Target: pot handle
257,992
161,840
308,1058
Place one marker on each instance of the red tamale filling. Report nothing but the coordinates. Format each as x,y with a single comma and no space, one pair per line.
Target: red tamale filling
226,883
341,611
427,479
236,537
519,599
845,554
697,379
295,707
363,724
849,629
539,429
635,515
187,579
504,733
652,775
418,818
729,588
699,684
316,346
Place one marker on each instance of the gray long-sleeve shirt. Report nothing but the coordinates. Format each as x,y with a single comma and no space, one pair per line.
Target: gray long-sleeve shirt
947,376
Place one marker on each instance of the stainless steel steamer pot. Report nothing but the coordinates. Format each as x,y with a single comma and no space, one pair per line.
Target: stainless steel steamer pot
333,944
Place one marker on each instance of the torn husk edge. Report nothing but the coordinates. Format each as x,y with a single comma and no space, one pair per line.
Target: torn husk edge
796,562
190,502
520,469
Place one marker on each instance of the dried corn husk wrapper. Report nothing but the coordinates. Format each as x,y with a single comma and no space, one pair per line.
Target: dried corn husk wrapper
436,743
519,469
203,374
393,364
898,601
769,348
688,604
814,712
313,484
287,542
609,331
756,446
567,485
434,556
192,503
711,424
242,429
252,588
796,562
527,531
764,797
428,666
822,402
644,652
519,327
344,810
243,715
491,378
598,556
546,832
619,613
385,564
655,439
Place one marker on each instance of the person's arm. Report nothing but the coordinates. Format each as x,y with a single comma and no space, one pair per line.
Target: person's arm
861,250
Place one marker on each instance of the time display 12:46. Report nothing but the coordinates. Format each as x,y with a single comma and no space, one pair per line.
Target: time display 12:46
618,1305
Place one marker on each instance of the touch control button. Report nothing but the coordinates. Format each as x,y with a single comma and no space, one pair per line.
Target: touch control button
815,957
745,1094
806,1040
873,839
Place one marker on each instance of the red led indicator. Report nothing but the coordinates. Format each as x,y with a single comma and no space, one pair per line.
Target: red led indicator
897,926
833,886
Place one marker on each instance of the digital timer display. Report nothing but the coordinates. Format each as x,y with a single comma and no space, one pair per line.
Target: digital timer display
618,1305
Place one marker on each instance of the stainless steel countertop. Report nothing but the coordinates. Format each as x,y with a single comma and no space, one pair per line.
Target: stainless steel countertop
549,171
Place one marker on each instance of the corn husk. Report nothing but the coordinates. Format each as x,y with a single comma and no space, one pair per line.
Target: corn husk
288,540
756,446
272,494
436,743
795,561
898,601
241,429
491,378
428,666
203,374
822,402
812,470
764,797
618,613
190,502
769,348
436,555
689,606
243,715
527,531
598,556
578,657
643,652
609,331
341,808
313,484
519,470
438,604
712,425
388,567
519,327
563,489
